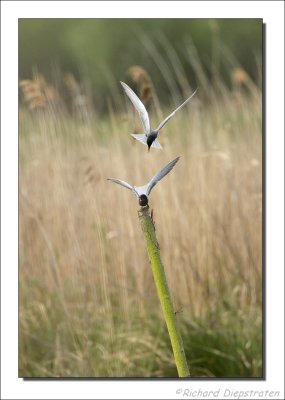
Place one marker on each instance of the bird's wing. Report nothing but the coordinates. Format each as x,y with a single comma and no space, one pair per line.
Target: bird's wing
122,183
164,171
141,137
174,112
138,106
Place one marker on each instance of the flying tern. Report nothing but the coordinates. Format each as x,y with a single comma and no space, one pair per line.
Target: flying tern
149,137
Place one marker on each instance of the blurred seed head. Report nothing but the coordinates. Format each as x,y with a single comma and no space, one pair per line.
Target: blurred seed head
142,83
239,76
91,174
38,94
71,84
79,103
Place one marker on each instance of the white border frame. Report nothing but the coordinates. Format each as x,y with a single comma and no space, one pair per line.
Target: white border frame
272,13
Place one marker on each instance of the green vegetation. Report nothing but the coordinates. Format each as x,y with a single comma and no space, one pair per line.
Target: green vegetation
98,52
86,343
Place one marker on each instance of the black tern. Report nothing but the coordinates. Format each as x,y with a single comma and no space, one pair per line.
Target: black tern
143,192
149,138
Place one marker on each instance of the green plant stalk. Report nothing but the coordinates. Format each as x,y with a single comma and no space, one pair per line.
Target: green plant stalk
163,292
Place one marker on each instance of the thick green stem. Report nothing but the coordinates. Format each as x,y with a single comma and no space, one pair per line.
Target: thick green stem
163,292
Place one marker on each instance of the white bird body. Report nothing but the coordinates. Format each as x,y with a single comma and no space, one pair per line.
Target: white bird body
143,192
149,137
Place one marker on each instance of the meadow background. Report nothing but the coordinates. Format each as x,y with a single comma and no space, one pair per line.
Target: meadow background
88,306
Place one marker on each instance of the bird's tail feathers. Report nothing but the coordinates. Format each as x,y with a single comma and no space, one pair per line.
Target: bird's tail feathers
156,144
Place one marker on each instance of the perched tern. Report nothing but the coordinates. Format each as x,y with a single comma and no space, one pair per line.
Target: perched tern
143,192
149,137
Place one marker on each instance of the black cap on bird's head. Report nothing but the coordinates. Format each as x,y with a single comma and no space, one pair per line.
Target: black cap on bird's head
143,200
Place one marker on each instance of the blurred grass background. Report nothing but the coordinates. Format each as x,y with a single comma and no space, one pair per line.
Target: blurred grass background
88,305
99,52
